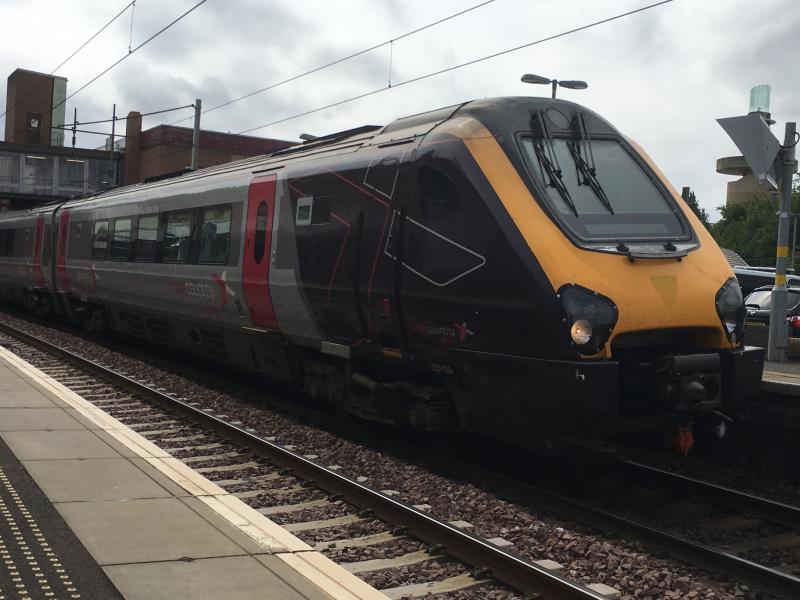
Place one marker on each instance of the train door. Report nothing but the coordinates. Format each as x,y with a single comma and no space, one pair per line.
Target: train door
256,261
443,236
385,182
38,238
62,278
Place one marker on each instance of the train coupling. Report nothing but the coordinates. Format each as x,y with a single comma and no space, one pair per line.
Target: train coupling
689,382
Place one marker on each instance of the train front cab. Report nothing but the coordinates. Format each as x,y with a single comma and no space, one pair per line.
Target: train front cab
651,319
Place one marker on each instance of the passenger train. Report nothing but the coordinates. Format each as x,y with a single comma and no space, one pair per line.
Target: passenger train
511,267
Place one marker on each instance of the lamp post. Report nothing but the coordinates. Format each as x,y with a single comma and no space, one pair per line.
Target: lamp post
572,84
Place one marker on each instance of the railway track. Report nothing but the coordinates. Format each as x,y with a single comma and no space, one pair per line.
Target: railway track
713,527
335,513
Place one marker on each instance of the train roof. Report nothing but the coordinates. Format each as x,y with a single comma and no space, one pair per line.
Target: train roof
493,112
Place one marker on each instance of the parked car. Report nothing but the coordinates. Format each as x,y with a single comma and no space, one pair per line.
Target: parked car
758,304
751,278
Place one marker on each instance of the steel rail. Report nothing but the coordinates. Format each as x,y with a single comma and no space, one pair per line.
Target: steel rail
687,550
695,553
771,510
514,571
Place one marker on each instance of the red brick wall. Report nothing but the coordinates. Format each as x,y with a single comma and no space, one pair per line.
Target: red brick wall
34,92
164,149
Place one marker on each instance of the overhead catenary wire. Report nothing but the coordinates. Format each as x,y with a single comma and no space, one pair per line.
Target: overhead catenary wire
147,114
131,52
71,56
342,59
459,66
439,72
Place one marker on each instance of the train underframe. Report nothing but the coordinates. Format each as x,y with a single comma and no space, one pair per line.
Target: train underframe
530,398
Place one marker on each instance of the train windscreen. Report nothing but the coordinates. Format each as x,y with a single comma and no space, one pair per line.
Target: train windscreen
599,191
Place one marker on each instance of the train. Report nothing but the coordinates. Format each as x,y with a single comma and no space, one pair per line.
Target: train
513,267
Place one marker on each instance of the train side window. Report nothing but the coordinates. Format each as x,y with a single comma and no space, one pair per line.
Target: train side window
100,239
121,239
177,236
260,242
321,211
215,235
6,242
146,244
17,247
46,246
438,196
304,206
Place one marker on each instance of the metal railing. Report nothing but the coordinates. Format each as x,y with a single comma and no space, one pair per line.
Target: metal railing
43,174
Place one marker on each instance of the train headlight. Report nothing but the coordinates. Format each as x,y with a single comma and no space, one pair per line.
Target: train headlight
589,317
581,332
730,308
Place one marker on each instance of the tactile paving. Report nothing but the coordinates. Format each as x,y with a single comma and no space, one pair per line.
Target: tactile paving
40,558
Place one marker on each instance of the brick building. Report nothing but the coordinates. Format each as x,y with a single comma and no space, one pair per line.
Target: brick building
35,108
166,150
35,167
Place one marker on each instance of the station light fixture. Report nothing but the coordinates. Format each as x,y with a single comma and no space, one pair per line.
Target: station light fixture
572,84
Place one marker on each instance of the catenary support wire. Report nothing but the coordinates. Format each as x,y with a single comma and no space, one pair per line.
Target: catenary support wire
461,65
71,56
341,60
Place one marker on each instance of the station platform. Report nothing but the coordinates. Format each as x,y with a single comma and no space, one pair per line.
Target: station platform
89,509
781,378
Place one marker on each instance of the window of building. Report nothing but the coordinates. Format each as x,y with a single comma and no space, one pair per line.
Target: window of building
215,234
177,236
438,196
34,120
146,244
121,239
100,239
260,243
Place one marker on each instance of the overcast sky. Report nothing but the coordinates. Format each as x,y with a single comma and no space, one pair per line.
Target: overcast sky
661,76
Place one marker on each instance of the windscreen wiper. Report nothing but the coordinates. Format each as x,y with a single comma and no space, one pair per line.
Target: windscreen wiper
589,177
587,169
555,177
548,161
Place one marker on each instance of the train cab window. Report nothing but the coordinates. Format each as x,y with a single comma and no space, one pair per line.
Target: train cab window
177,236
215,234
623,202
260,242
146,244
438,196
121,239
100,239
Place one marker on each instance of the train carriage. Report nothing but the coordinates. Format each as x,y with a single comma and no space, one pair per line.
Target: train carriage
505,266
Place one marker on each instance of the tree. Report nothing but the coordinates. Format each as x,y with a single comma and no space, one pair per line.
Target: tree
701,213
750,229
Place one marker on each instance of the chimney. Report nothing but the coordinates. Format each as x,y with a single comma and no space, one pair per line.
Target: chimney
133,148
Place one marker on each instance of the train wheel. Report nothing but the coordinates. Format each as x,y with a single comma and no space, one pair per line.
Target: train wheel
96,322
